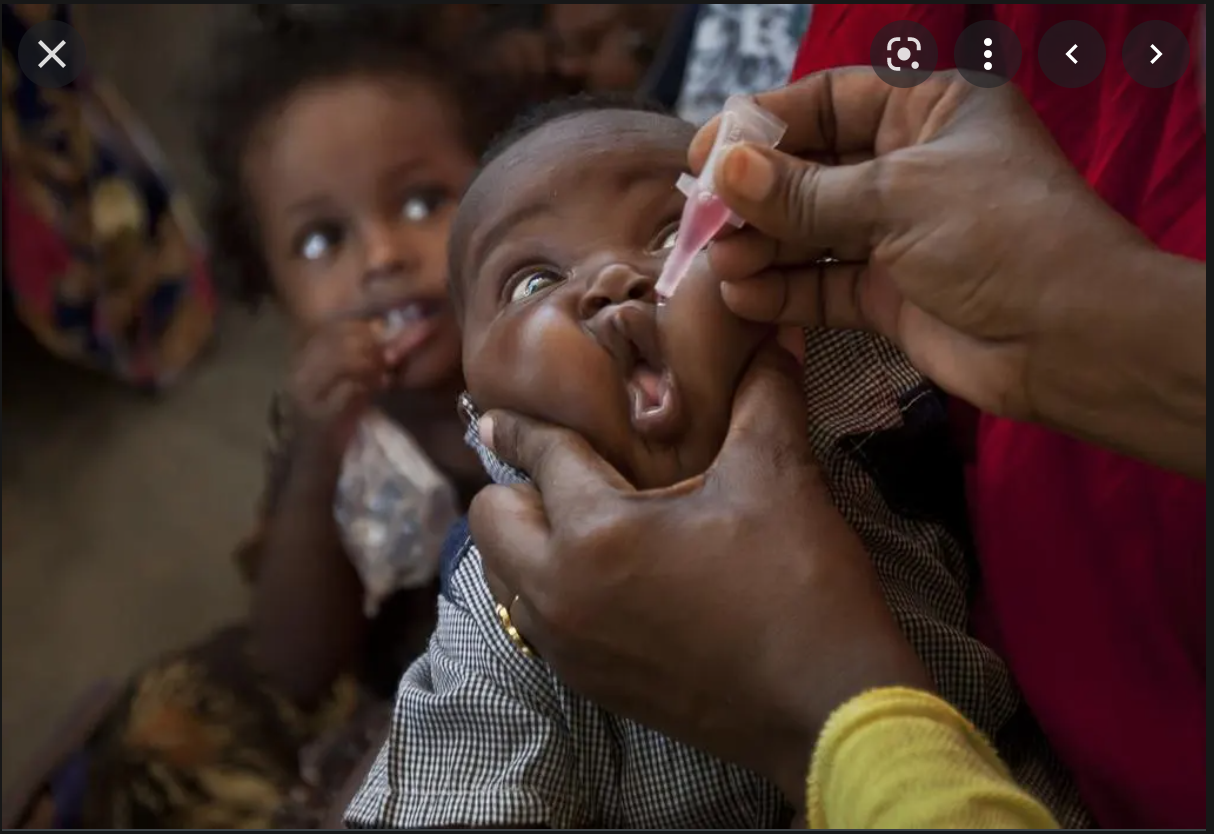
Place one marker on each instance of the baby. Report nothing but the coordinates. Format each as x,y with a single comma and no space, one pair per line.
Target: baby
554,253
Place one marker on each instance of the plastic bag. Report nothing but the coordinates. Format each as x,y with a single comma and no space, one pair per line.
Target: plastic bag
393,508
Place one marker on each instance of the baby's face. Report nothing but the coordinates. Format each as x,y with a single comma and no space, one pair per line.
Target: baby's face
557,247
355,183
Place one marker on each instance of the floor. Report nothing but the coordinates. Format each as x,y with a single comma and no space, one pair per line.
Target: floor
120,509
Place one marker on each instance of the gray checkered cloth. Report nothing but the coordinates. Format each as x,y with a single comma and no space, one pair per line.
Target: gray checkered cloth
482,736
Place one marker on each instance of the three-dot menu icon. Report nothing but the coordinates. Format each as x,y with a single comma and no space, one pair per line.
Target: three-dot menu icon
987,54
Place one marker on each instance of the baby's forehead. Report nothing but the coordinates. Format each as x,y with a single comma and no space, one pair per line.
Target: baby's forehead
577,145
637,131
566,157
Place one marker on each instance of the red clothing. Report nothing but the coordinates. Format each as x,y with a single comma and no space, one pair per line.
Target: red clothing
1093,566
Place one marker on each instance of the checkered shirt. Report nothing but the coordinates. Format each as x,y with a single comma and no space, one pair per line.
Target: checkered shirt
483,737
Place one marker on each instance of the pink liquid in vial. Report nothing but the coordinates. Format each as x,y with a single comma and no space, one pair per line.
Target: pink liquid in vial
704,216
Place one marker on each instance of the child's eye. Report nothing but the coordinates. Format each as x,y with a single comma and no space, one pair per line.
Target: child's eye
419,206
318,243
666,239
532,282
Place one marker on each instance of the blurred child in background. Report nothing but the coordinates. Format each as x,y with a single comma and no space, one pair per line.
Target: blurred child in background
340,144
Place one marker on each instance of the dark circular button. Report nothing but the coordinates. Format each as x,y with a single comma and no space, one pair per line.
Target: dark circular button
1155,54
904,53
988,54
51,54
1071,54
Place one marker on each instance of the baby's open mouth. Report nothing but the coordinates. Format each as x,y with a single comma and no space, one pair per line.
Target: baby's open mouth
632,339
650,388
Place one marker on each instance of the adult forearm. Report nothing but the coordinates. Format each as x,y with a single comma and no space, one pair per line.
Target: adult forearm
1124,365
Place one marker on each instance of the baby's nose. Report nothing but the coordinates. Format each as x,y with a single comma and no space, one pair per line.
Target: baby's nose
614,284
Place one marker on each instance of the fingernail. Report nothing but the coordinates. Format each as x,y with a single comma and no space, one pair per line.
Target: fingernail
484,427
749,173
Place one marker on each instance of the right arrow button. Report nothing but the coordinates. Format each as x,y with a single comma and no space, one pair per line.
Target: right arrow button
1155,54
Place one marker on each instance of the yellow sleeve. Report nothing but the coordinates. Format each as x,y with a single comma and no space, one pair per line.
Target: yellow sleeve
901,758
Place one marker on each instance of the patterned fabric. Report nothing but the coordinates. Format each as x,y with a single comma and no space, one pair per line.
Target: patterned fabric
201,740
102,259
739,48
482,736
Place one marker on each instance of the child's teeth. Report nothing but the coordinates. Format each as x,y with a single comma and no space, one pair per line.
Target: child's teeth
395,321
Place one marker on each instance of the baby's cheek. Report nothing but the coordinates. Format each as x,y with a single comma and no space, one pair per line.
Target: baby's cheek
542,363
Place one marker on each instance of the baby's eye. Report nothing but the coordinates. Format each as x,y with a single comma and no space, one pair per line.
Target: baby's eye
420,205
319,242
532,282
666,239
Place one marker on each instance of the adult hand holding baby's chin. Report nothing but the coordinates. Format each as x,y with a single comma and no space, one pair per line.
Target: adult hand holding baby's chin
658,605
964,233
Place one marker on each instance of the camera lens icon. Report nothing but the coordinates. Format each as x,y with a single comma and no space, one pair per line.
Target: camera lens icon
903,53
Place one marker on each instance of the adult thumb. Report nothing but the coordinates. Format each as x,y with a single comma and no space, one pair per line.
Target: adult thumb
793,200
